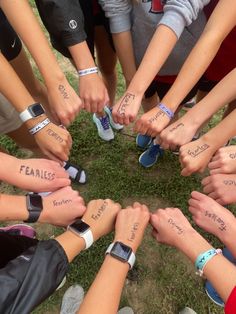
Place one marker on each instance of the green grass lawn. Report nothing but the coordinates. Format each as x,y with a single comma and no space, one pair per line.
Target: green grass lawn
163,280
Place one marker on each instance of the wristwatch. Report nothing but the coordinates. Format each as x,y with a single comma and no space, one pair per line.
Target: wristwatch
122,252
34,205
31,112
80,228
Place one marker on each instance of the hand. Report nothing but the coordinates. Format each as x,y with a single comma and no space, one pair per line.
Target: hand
177,134
152,122
131,224
211,216
195,156
221,187
37,175
64,103
224,160
126,109
93,93
55,142
170,226
62,207
100,216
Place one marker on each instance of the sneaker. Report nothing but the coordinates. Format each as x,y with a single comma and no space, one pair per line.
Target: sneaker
150,156
19,229
189,104
187,310
104,127
176,151
62,282
210,290
126,310
143,141
115,126
76,173
72,299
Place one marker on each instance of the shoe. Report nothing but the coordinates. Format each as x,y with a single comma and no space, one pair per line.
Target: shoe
115,126
126,310
62,282
189,104
19,229
104,127
150,156
187,310
143,141
72,299
210,290
76,173
176,151
213,295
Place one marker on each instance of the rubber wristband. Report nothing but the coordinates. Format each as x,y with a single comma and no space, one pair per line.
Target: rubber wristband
204,258
88,71
167,111
39,126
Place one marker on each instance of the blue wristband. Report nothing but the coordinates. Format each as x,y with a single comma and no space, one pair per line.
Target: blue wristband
204,258
167,111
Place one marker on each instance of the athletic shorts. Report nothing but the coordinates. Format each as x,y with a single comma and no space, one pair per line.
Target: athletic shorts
10,43
9,117
161,88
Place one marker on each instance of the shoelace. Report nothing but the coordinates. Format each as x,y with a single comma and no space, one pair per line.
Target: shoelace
105,122
155,150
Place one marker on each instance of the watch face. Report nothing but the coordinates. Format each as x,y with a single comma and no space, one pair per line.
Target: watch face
80,226
35,201
121,251
36,110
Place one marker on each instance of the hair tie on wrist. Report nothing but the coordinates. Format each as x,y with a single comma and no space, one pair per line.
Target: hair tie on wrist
167,111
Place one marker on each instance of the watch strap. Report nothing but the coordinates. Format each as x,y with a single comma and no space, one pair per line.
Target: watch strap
87,236
131,259
33,213
25,115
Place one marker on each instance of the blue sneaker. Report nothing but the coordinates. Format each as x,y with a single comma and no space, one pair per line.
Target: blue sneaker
210,290
115,126
150,156
143,141
104,127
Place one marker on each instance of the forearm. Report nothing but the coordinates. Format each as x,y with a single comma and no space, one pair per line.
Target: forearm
13,207
124,49
71,243
29,30
222,94
202,54
81,56
219,271
160,47
103,296
222,132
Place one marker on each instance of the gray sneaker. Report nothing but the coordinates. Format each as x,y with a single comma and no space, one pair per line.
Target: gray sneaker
126,310
187,310
104,127
72,299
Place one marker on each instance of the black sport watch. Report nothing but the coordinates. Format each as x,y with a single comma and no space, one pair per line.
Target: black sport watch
34,205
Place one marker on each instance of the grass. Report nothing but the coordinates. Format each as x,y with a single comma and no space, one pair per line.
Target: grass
163,280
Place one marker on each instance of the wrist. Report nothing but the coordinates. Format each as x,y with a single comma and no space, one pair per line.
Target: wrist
14,207
33,122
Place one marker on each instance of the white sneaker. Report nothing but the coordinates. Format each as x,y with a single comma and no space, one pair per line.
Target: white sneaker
114,125
126,310
72,299
104,127
187,310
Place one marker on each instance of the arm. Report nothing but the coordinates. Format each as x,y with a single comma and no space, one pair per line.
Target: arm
64,102
183,130
104,295
171,227
195,156
164,39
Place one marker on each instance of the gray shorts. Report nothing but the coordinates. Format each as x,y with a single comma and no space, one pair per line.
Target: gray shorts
9,117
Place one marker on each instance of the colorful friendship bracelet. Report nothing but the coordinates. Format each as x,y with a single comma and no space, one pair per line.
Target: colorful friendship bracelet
204,258
167,111
39,126
88,71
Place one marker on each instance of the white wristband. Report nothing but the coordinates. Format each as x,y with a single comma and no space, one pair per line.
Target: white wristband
88,71
39,126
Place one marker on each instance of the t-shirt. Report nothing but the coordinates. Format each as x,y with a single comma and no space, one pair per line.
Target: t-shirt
230,306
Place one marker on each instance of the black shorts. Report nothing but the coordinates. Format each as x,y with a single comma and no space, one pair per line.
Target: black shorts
162,88
10,43
90,22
